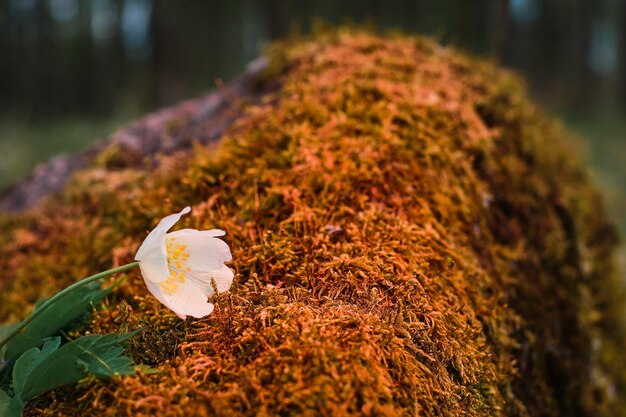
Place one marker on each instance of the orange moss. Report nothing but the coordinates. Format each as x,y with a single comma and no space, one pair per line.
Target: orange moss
410,236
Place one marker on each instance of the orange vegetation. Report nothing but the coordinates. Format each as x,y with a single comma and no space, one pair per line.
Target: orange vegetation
410,237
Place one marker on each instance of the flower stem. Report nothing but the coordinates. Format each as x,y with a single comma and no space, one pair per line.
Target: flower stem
63,293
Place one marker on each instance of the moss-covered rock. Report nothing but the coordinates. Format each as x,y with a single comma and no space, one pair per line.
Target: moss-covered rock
410,237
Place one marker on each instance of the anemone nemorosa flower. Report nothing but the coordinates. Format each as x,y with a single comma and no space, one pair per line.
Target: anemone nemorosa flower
181,268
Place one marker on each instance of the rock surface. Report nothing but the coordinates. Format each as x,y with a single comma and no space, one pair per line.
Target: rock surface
203,120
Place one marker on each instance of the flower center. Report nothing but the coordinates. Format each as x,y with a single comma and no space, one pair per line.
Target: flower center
177,256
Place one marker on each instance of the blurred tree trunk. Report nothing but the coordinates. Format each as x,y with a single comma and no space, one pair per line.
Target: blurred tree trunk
500,38
7,50
622,56
585,82
166,54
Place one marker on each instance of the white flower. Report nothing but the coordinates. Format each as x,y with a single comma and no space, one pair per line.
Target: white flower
180,268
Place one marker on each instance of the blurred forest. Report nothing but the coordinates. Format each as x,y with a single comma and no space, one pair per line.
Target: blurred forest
71,71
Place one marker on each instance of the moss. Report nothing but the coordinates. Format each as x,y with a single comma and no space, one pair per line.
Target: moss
410,237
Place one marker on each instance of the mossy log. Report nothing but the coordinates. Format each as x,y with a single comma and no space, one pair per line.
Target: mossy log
410,235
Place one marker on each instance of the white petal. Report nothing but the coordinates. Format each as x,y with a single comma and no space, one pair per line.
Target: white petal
187,300
153,270
214,232
152,253
223,279
206,252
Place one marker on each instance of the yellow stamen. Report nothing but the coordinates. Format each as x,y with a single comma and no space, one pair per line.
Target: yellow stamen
177,256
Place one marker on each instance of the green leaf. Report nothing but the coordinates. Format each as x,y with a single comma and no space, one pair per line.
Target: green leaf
58,316
5,368
4,402
4,332
95,355
29,361
10,406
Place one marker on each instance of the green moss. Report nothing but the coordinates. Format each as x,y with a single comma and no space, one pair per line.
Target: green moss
410,235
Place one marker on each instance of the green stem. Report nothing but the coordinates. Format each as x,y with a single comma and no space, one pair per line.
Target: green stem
63,293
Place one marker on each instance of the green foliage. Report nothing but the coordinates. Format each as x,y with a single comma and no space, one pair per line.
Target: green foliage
38,362
24,366
4,332
10,406
93,355
26,363
40,370
58,316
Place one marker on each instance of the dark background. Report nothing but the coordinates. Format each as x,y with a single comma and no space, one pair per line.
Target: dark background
71,71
